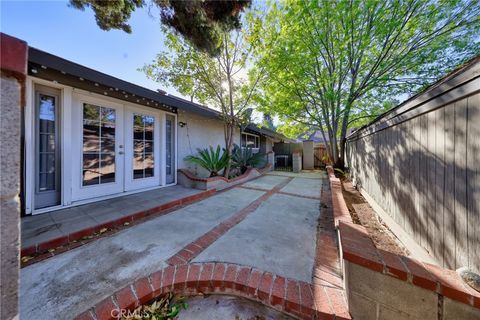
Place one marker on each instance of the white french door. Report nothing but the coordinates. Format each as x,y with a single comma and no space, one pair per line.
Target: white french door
142,148
117,148
98,130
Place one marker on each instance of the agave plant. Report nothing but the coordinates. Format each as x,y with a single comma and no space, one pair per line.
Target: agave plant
212,160
244,158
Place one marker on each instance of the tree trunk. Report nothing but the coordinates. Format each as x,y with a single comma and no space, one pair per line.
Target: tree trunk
228,146
340,162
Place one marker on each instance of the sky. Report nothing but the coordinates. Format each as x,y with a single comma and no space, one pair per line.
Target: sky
72,34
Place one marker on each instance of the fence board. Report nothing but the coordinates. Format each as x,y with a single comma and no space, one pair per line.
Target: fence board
473,185
461,256
440,182
425,173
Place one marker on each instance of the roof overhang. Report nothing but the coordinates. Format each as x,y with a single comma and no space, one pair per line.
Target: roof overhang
251,128
47,66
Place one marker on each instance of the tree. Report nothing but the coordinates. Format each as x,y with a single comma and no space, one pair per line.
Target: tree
333,63
221,81
201,22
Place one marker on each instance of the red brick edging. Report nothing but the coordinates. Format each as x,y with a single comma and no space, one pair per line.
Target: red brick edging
120,222
192,177
358,248
294,297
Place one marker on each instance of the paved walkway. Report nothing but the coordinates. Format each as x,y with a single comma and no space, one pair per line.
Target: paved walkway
272,223
48,226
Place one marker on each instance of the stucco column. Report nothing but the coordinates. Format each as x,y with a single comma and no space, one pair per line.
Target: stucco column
296,162
13,70
308,160
271,160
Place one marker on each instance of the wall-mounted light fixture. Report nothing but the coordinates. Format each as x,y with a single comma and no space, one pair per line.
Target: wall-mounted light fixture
182,124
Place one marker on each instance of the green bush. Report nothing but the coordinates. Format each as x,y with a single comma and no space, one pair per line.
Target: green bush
212,160
244,158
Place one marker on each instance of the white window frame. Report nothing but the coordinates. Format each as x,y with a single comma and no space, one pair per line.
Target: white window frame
253,135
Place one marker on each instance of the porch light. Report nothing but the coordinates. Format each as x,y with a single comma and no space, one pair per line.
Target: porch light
34,71
182,124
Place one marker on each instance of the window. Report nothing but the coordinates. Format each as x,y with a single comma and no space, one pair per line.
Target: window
170,148
250,141
98,145
46,143
143,163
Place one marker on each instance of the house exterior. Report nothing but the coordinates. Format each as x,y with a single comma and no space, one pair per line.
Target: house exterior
88,136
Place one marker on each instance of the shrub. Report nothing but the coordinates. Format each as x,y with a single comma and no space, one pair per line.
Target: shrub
212,160
244,158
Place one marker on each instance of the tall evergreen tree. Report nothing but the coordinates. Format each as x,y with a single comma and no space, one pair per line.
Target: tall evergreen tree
201,22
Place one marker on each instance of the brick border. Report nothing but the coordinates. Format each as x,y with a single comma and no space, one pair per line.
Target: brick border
294,297
187,173
327,270
73,239
357,247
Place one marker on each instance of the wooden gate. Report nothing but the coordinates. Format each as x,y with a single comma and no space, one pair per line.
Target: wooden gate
320,156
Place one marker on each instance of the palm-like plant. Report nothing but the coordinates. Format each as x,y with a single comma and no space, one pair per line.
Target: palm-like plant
244,158
212,160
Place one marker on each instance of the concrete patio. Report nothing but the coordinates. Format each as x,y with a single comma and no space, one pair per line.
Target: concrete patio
52,225
268,224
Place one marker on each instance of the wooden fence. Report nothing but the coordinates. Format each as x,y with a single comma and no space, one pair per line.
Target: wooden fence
421,164
320,156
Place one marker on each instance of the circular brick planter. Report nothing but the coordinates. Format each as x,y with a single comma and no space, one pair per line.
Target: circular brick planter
290,296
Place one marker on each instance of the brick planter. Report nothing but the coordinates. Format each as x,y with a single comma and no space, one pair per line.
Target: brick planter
382,285
297,298
188,179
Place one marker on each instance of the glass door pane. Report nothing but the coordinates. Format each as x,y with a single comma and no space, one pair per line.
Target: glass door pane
170,148
98,145
143,146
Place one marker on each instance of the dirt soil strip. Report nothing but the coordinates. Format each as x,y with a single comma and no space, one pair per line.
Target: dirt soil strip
362,213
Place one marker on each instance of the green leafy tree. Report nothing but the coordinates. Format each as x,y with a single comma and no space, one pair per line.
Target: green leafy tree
201,22
222,81
334,63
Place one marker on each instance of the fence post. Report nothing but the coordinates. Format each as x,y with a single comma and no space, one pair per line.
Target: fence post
308,163
296,162
271,159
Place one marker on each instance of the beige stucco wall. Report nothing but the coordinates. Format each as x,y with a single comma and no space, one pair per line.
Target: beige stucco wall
9,200
199,132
